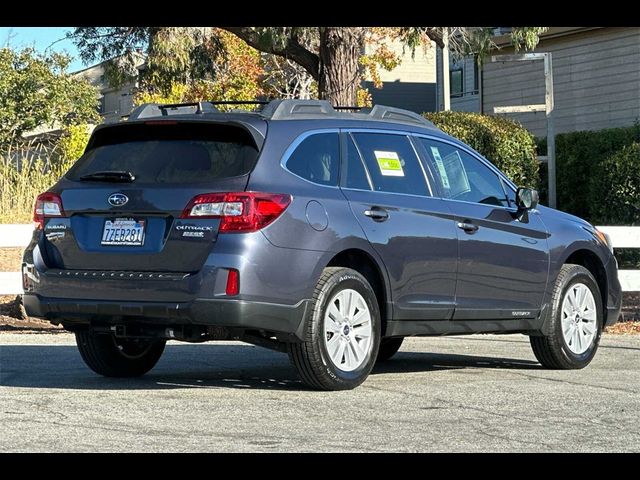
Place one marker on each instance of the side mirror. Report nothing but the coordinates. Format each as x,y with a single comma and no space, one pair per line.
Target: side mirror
526,198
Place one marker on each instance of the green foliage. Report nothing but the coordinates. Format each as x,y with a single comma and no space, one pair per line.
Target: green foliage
615,196
504,142
36,90
469,40
189,54
72,143
580,157
615,190
527,37
236,70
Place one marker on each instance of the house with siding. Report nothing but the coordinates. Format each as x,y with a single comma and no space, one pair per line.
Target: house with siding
596,74
412,84
115,102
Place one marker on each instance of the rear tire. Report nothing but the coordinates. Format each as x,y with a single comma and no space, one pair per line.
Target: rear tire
573,333
111,357
341,332
388,348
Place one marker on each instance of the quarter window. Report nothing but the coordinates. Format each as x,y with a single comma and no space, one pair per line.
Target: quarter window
464,177
354,174
392,163
317,159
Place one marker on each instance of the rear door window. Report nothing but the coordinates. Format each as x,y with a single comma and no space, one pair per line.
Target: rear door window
392,163
317,158
174,153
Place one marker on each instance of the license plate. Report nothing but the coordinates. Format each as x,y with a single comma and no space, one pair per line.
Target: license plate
123,231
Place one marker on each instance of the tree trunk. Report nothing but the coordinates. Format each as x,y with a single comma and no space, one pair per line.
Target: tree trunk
339,73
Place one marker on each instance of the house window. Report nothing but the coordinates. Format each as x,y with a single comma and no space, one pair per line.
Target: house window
456,83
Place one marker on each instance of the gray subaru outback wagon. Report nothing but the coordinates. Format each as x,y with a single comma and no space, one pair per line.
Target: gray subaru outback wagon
326,234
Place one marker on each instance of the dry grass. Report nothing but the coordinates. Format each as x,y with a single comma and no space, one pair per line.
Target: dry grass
624,328
10,259
19,187
14,318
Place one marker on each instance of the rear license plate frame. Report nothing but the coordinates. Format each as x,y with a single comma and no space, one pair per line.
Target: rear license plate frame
133,232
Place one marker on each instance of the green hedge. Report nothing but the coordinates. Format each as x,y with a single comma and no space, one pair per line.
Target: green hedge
503,141
580,158
615,196
615,191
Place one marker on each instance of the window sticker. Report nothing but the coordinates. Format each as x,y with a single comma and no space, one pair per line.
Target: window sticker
389,163
458,179
443,173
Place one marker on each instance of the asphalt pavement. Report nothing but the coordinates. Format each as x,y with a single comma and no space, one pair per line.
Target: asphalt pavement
482,393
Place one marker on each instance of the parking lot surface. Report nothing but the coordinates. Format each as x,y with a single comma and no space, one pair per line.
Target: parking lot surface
480,393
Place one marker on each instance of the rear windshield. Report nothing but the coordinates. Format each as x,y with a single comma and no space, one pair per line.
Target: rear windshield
173,153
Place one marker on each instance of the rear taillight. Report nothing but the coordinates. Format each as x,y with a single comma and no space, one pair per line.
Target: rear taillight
238,212
47,205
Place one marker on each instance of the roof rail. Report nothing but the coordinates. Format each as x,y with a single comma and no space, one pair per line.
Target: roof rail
346,107
156,109
283,109
290,109
399,115
240,102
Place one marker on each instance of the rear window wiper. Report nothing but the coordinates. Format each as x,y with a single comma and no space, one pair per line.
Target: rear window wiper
109,176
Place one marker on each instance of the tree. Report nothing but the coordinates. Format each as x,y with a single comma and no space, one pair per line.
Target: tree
36,90
228,69
330,55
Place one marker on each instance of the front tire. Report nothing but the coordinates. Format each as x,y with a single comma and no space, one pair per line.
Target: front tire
341,333
573,334
114,357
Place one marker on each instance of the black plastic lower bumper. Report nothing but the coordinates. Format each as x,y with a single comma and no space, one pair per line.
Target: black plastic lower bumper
216,312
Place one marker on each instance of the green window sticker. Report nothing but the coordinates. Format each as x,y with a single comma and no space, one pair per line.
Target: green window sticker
389,163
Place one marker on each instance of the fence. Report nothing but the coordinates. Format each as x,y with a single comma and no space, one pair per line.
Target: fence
19,236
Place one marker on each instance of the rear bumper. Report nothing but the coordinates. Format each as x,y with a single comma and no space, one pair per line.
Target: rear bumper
272,317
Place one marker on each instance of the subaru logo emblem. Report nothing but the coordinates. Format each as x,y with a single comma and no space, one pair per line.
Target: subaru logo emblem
118,199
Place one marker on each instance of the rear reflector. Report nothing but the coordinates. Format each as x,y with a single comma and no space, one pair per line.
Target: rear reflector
233,282
238,212
47,205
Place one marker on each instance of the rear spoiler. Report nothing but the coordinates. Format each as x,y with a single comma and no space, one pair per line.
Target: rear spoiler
257,136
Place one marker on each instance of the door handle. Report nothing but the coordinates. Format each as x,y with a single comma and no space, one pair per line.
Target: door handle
377,214
468,227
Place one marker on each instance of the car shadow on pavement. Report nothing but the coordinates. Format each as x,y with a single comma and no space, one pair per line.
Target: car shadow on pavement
428,361
204,366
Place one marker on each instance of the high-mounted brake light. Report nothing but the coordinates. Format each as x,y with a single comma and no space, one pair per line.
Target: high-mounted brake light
238,212
160,122
47,205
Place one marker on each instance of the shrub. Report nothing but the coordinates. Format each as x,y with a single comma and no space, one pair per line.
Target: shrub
615,191
579,160
506,143
72,143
